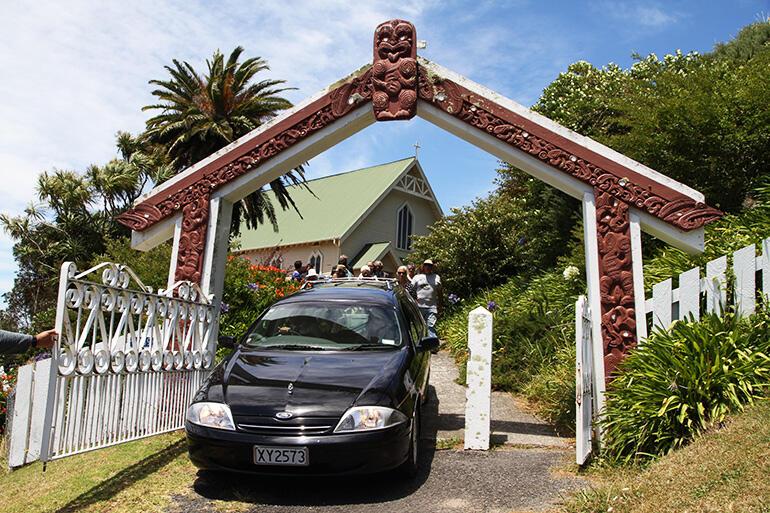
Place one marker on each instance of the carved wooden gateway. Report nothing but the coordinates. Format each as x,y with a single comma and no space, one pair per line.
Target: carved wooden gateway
620,197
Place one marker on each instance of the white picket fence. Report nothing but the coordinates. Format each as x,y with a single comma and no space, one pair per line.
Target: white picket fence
126,366
668,304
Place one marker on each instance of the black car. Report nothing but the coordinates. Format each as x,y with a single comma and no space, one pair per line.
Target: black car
329,380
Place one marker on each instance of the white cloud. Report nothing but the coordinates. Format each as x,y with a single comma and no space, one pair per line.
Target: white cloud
642,14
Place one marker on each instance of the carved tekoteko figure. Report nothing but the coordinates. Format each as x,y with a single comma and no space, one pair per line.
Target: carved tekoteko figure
394,71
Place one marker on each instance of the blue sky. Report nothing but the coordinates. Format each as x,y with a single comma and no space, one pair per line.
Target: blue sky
74,73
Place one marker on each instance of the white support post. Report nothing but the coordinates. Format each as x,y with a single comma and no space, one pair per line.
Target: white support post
637,267
174,253
215,258
39,402
478,402
594,301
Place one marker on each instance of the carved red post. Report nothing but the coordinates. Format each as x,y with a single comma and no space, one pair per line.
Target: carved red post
616,279
195,218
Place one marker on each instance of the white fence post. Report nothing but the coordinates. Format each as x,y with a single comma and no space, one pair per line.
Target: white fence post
744,268
716,293
478,402
583,381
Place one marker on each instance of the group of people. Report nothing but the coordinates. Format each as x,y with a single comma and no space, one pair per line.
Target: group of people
424,286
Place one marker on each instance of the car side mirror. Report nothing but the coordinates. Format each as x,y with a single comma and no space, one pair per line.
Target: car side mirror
227,341
428,344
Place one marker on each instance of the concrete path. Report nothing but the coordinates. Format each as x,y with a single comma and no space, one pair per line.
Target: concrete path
510,425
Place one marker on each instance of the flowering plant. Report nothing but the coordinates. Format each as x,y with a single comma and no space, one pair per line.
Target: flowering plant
492,306
6,383
571,272
248,291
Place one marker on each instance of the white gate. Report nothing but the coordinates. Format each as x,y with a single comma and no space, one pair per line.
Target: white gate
126,366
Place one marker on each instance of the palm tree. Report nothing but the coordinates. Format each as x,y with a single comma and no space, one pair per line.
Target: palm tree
200,115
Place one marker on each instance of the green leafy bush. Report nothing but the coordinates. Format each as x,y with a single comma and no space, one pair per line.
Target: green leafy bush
475,246
682,380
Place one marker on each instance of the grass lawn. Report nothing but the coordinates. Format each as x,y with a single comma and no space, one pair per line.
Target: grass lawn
137,476
724,470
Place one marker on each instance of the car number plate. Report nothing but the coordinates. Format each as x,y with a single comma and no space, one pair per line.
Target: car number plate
272,455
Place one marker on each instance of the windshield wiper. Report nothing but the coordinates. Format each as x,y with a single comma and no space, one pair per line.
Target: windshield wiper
364,347
292,346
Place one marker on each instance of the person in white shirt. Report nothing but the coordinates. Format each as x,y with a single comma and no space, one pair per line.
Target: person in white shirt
429,295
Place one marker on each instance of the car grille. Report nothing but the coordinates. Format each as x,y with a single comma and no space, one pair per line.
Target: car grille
308,426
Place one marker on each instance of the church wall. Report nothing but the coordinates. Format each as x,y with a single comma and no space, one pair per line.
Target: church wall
381,224
289,255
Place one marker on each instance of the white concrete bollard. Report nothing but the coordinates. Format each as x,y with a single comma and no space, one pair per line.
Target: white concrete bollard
479,380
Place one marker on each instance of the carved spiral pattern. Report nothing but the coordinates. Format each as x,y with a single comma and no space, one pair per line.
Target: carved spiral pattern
193,199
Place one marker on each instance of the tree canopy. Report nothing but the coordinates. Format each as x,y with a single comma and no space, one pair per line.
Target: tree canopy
701,119
202,114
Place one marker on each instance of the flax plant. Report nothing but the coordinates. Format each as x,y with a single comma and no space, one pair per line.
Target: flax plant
682,381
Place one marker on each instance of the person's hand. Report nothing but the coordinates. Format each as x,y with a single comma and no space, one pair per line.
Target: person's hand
45,338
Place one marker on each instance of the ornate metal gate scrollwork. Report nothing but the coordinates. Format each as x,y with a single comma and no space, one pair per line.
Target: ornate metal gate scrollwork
128,360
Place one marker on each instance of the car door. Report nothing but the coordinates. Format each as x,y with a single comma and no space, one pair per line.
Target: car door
417,329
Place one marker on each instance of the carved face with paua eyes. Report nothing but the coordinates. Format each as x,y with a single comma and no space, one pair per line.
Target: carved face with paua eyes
394,71
394,40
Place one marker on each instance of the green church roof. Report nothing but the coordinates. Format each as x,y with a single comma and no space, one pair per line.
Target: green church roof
339,201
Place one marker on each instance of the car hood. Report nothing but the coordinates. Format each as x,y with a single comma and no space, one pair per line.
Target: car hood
309,383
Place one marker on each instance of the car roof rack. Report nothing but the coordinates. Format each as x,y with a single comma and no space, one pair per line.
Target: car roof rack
383,282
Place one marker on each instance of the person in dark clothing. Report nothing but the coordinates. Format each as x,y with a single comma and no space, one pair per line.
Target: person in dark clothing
378,272
299,273
344,261
11,342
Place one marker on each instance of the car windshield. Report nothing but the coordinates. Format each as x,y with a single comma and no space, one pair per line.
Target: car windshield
324,326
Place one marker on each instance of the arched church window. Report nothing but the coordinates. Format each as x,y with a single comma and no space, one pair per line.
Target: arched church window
316,261
404,231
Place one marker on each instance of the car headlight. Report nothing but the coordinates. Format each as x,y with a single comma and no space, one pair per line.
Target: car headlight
367,418
214,415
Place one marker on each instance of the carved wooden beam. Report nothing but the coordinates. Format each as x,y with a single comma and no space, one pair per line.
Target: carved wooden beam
191,194
565,155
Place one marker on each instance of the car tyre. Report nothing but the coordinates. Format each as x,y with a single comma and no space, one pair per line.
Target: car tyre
409,468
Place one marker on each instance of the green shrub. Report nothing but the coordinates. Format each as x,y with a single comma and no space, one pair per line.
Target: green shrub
552,389
682,380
